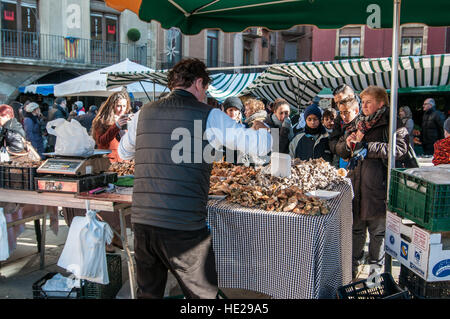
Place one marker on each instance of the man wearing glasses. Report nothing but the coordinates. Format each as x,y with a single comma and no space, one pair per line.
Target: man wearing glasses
348,105
432,126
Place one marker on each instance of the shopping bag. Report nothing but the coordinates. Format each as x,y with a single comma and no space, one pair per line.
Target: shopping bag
4,155
4,249
72,139
84,253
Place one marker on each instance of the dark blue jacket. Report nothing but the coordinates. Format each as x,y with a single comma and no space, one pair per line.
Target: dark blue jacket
306,147
33,132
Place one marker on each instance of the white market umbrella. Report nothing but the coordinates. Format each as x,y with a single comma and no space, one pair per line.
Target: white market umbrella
94,83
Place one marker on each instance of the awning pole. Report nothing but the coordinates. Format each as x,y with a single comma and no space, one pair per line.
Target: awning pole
154,91
144,90
393,106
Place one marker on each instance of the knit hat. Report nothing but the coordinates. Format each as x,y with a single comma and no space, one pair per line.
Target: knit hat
447,125
313,109
233,101
31,107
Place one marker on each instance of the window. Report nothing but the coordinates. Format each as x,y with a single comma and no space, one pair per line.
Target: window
104,38
212,48
412,41
173,48
350,42
19,28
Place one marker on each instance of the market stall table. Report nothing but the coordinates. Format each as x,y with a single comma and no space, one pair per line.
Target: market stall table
282,254
101,202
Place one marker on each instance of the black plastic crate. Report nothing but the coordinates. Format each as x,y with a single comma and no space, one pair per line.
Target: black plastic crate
87,290
38,293
387,289
421,289
92,290
13,177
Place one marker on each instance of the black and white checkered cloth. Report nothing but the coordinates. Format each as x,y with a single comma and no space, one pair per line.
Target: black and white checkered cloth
283,255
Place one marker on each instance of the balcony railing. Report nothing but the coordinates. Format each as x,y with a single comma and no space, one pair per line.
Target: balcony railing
63,50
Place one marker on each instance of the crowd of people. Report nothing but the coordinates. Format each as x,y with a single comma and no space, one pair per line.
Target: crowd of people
169,200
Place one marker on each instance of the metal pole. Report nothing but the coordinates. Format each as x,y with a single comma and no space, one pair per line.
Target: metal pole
144,90
393,107
154,89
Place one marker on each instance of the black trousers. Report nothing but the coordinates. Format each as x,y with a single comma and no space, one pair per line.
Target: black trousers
187,254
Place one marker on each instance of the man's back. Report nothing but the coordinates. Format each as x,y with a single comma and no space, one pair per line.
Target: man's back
168,193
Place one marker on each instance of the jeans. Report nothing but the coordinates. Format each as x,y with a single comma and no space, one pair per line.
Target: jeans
187,254
376,228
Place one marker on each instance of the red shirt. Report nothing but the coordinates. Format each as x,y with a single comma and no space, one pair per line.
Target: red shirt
442,151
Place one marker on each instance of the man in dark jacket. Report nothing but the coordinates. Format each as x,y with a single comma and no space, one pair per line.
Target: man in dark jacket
58,110
170,192
86,119
432,126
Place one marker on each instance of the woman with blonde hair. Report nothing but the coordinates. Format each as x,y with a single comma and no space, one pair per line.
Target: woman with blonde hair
109,124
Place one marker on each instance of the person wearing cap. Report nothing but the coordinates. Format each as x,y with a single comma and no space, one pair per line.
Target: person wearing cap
32,124
432,126
58,110
442,147
312,142
233,106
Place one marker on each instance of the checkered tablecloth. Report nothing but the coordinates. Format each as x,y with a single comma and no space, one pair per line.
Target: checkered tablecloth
283,255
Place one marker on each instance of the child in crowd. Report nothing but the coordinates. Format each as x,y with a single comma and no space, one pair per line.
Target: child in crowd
312,142
328,117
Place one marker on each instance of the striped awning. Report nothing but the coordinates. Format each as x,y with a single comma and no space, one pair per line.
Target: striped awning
222,85
225,85
116,79
299,82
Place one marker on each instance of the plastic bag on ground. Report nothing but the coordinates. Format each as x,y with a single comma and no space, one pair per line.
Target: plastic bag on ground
84,253
72,139
60,286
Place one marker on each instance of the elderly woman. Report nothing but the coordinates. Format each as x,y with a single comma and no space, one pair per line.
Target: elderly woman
280,120
32,124
405,115
367,143
109,124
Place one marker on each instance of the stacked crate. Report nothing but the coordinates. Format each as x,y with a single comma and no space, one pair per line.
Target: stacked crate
418,233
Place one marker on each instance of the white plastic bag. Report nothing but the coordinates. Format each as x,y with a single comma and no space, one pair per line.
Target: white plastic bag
4,249
84,253
60,286
4,155
72,139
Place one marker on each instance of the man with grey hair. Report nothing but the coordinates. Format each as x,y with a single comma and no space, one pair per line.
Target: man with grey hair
432,126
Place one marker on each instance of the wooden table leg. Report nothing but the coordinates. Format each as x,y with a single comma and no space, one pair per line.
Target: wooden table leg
131,273
37,230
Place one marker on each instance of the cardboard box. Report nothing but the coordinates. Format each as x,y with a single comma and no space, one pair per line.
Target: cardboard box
425,253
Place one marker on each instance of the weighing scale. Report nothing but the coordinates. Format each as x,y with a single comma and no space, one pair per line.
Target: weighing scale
74,174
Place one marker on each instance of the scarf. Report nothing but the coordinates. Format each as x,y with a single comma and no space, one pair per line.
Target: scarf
364,123
258,116
279,124
314,131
